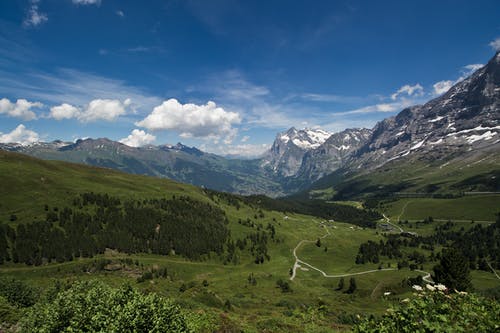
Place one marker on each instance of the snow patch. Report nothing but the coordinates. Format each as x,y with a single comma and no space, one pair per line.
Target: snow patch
418,145
438,118
485,136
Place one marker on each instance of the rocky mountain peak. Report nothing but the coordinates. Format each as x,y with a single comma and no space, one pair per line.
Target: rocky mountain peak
286,154
465,118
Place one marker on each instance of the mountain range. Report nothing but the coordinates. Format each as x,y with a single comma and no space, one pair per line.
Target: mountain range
451,143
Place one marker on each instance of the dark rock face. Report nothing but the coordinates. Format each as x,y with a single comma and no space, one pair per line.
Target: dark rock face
333,153
287,152
465,118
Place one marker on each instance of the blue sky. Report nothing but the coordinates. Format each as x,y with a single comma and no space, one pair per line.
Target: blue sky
227,75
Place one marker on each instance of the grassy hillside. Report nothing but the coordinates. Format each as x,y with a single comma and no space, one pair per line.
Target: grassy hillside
223,294
412,175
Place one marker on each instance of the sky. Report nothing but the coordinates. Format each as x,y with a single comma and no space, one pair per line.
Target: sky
225,75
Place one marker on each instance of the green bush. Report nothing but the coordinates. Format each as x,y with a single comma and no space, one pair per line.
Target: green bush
92,306
436,311
17,292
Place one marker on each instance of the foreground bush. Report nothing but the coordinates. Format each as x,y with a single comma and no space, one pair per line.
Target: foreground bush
95,307
434,310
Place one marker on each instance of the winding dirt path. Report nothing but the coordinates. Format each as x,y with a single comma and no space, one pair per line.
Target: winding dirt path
494,272
403,210
388,221
298,263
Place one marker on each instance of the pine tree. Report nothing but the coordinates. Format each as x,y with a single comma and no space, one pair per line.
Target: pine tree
453,270
352,286
340,286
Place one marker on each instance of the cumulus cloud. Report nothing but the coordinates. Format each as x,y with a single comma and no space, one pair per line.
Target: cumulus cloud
495,44
245,138
120,13
98,109
415,90
104,109
20,135
87,2
20,109
34,17
64,111
191,120
138,138
442,86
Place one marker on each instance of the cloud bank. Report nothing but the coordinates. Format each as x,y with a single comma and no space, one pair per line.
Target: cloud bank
20,135
191,120
20,109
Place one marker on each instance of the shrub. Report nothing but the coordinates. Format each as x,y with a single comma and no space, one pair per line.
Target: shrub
437,311
92,306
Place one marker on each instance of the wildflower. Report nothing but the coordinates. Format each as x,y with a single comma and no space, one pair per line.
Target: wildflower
417,287
430,287
406,300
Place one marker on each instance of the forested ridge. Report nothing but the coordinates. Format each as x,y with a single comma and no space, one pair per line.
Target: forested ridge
96,221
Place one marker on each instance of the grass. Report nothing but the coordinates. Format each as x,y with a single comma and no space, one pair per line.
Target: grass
314,304
478,208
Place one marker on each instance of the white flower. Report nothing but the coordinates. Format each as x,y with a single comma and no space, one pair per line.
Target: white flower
430,287
417,287
440,287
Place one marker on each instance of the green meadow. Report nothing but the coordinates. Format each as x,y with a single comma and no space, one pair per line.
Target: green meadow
239,295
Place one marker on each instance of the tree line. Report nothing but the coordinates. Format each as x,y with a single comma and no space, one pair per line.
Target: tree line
95,222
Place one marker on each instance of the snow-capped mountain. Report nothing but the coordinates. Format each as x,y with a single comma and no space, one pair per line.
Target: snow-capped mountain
464,119
461,126
286,154
333,153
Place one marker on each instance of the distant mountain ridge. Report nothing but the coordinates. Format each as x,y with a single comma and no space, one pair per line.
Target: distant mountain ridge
461,126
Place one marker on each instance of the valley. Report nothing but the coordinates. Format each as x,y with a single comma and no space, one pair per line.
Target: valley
294,287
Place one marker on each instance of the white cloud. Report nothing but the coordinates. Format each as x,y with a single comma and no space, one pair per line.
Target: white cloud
495,44
442,86
64,111
87,2
103,109
34,16
415,90
97,109
120,13
20,135
20,109
243,150
472,68
245,138
138,138
73,87
191,120
383,107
